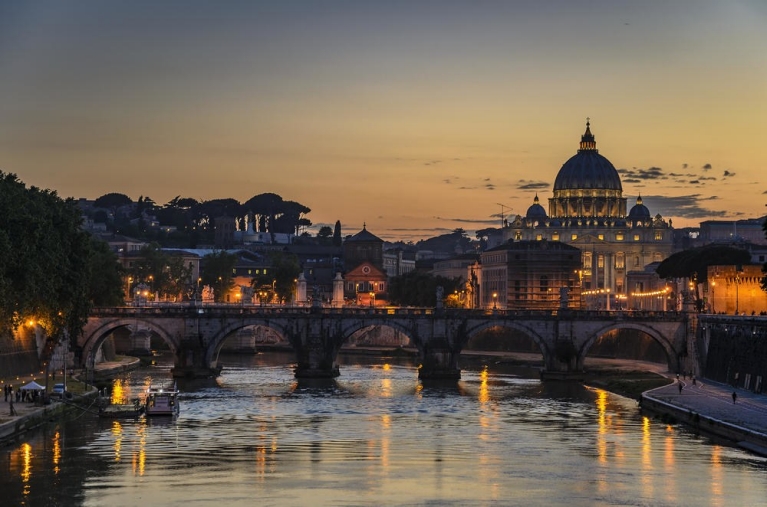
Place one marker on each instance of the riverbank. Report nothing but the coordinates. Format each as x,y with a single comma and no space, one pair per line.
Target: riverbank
31,415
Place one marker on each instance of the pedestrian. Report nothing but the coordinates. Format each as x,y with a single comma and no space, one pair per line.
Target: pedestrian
10,404
734,396
680,387
693,380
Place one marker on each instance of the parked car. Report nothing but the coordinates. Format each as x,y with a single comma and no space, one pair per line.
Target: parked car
58,391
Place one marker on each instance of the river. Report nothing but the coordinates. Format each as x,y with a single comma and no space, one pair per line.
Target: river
377,436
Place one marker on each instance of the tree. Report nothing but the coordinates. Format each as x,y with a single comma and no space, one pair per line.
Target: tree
217,273
694,262
286,269
165,274
105,287
420,289
337,239
43,275
112,201
324,234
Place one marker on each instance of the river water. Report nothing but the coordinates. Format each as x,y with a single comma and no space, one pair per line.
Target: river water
377,436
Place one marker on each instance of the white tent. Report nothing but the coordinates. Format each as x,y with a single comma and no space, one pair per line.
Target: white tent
33,386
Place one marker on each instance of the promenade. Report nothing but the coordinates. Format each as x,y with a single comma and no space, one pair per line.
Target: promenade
709,407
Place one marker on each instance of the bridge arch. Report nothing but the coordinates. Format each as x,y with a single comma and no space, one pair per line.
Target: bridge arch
474,330
220,337
353,327
672,354
95,337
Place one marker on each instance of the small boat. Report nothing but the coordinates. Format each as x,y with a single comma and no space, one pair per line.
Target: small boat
122,411
161,401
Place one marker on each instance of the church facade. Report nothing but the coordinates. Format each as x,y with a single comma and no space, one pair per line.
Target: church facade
588,211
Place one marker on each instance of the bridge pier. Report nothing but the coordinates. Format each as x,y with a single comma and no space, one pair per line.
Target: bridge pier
316,343
439,364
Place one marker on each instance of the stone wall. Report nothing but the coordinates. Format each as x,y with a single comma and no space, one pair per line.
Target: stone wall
19,353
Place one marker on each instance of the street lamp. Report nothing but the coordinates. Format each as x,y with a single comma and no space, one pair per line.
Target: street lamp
495,300
713,299
737,283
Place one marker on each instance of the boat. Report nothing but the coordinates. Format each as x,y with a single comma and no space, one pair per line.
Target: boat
161,401
122,411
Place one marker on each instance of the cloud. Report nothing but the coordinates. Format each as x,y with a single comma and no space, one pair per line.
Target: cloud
707,167
532,185
432,162
727,174
652,173
694,182
707,178
686,206
490,186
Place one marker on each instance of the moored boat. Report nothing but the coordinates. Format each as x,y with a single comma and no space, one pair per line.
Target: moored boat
161,401
122,411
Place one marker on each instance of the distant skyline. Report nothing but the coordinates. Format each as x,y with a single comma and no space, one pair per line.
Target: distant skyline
414,117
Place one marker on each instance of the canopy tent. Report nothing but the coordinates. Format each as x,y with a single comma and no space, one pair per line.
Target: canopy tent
33,386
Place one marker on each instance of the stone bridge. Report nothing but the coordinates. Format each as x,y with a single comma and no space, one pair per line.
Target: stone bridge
196,334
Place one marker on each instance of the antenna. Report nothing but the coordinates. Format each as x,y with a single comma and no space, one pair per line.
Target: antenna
503,207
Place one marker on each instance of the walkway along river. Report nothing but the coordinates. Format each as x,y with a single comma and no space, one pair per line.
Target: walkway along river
378,436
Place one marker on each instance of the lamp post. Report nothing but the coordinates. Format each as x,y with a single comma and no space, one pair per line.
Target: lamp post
737,283
495,300
713,299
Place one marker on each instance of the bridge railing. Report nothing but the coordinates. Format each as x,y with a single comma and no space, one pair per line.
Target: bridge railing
189,310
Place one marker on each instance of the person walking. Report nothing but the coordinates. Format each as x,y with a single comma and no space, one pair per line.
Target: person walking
10,405
680,387
734,396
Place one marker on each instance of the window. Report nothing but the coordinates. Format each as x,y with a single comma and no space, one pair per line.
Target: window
601,261
619,236
636,261
658,236
586,259
573,237
656,257
601,237
539,237
555,236
381,286
620,260
636,237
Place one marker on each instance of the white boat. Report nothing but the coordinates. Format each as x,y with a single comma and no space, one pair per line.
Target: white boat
161,401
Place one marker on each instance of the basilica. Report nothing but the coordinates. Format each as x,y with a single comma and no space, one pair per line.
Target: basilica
588,211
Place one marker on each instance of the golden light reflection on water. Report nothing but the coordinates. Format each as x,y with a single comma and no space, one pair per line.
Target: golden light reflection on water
56,452
484,392
118,392
603,485
647,468
138,460
26,469
117,431
717,471
385,440
669,464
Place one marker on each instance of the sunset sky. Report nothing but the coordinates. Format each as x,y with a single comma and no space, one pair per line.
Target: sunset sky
415,117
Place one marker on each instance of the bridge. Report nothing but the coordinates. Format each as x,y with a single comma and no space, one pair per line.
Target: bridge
196,334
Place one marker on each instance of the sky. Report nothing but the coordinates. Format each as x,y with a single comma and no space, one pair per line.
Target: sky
412,117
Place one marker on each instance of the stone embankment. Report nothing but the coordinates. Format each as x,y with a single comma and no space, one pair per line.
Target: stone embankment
30,415
713,409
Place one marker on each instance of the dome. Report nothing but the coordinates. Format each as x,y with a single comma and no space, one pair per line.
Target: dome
536,210
639,211
587,169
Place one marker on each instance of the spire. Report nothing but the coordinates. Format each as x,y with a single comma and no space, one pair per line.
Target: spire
639,199
587,139
535,201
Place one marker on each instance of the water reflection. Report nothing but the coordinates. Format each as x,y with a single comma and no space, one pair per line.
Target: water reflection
376,435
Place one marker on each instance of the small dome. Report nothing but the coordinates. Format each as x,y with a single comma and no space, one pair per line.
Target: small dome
587,169
639,211
536,210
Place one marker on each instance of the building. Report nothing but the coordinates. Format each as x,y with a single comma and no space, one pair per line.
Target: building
736,290
530,275
588,211
365,278
731,231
